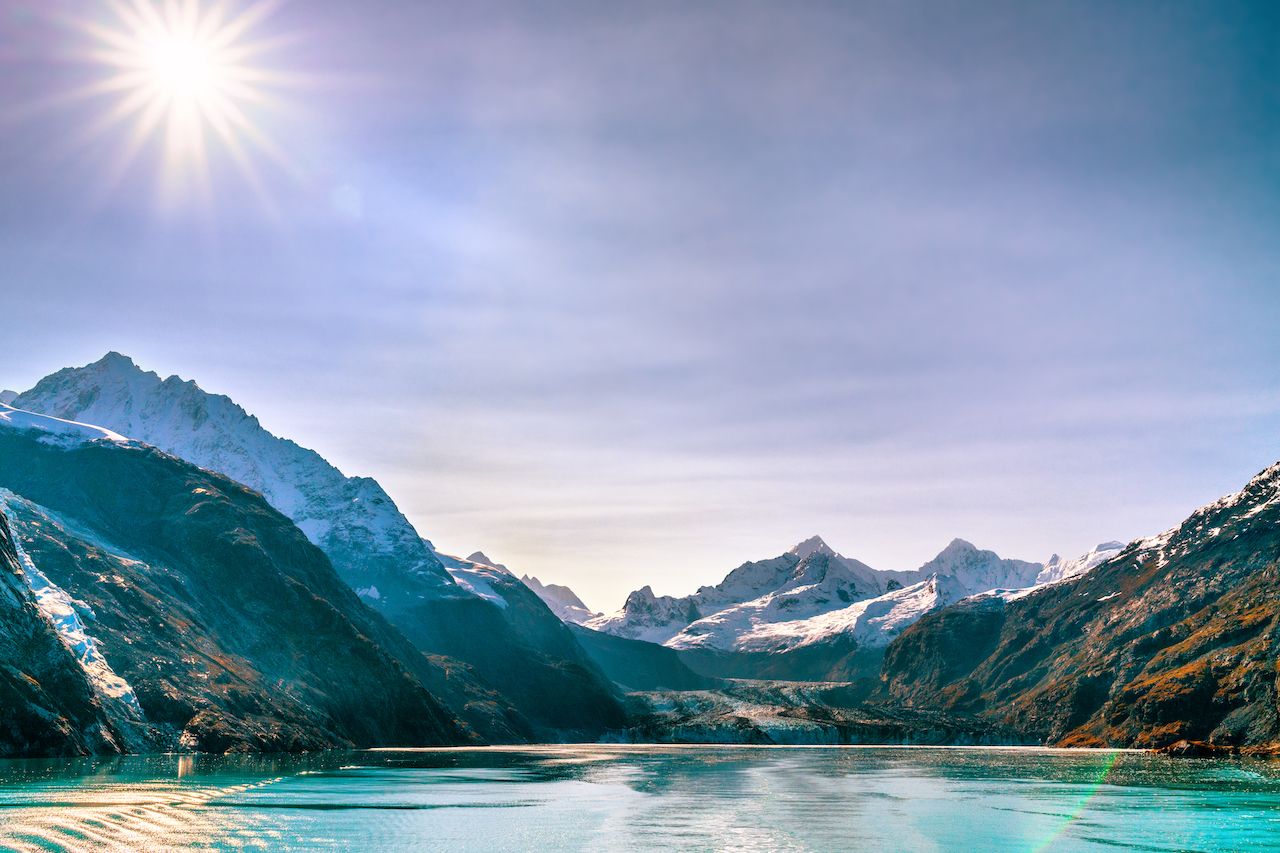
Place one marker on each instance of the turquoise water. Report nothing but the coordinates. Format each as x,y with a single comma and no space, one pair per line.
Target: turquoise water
645,798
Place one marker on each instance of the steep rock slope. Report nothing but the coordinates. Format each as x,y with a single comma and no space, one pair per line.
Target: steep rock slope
514,641
1175,638
49,706
229,629
371,544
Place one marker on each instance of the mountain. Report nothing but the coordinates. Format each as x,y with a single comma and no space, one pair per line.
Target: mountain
1057,569
1175,638
195,615
50,706
659,619
562,600
636,665
809,614
519,646
371,544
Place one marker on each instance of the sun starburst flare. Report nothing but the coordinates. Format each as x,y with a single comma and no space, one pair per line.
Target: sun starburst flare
188,75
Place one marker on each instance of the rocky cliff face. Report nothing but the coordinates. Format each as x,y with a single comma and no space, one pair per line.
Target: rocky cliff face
521,656
49,705
515,643
1177,637
227,627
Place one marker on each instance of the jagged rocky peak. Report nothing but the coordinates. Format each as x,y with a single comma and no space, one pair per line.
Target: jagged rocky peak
812,545
562,600
1056,569
352,519
976,570
482,559
642,597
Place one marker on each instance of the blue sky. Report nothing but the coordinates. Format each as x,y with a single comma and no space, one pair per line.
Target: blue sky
631,293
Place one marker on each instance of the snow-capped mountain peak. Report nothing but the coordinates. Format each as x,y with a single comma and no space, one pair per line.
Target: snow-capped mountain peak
812,545
975,570
371,544
1057,570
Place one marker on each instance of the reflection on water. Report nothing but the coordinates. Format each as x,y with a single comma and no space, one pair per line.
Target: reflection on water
647,798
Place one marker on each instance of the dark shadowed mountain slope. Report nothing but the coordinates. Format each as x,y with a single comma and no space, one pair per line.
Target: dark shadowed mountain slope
637,665
368,540
514,641
231,630
517,655
48,704
1176,638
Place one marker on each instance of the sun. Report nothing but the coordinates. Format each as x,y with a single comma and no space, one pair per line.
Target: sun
188,74
186,68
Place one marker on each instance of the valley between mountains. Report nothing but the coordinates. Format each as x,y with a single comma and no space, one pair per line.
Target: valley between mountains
175,577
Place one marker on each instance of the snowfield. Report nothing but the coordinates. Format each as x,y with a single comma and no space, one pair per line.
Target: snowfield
813,595
57,430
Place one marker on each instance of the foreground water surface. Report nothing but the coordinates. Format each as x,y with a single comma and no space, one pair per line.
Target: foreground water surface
645,798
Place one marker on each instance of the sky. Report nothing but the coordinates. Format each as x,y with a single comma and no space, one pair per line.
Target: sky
630,293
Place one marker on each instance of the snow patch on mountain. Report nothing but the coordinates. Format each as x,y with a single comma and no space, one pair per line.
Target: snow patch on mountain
1058,570
477,578
812,545
820,583
56,430
63,612
1260,493
873,623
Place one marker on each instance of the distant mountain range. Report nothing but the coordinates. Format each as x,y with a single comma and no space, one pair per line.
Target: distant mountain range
175,577
814,614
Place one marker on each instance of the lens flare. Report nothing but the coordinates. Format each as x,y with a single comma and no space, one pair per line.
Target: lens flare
1100,778
189,75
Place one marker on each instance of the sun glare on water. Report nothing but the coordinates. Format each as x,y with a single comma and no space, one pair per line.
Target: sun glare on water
188,74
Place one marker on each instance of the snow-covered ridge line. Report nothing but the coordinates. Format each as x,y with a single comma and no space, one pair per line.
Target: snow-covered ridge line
352,519
57,430
60,609
475,577
812,594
